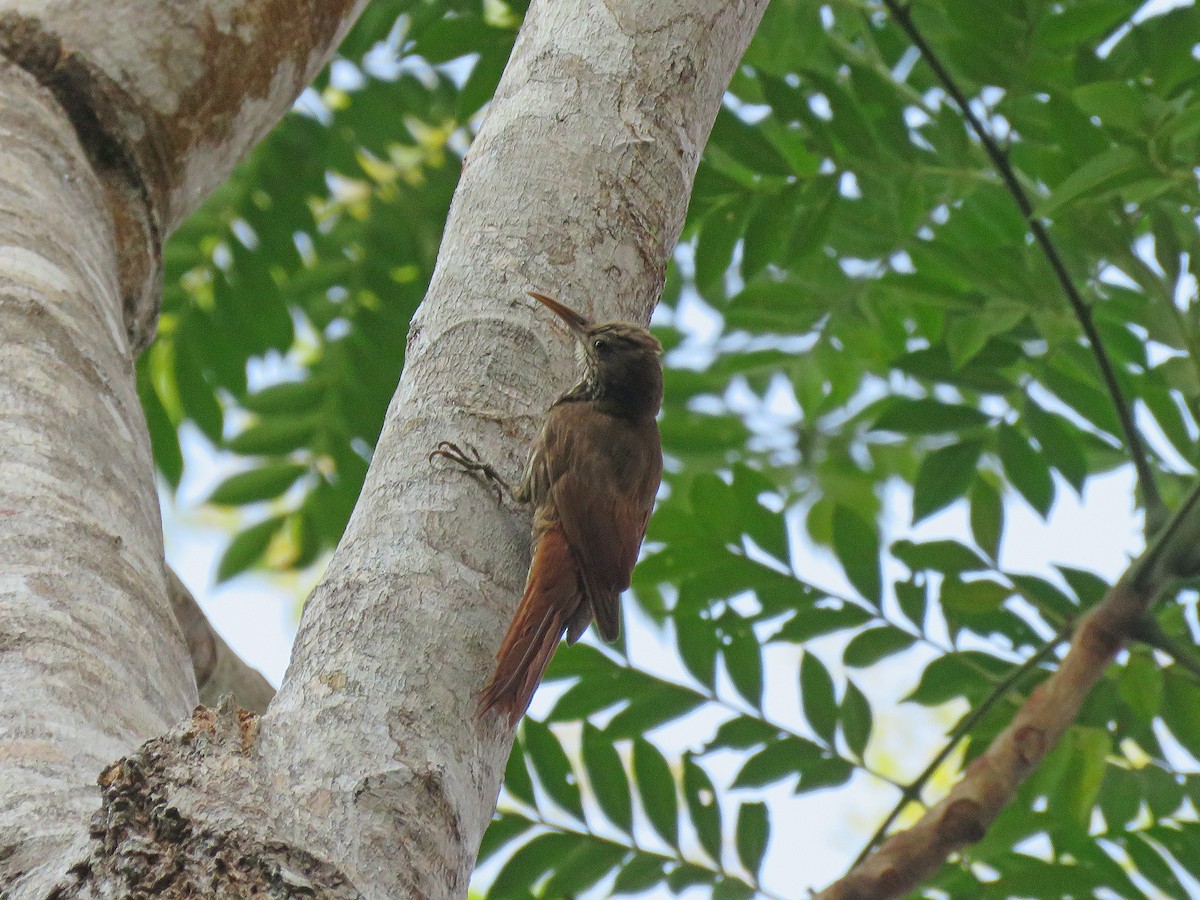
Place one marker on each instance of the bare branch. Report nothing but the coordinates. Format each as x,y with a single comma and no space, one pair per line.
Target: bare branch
913,791
219,671
991,781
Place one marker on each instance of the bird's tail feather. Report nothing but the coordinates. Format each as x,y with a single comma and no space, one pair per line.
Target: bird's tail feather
551,598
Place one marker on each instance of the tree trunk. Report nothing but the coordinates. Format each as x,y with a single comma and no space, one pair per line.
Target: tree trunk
369,775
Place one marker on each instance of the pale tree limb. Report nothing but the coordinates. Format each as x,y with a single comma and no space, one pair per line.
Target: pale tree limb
576,185
113,128
92,660
166,98
219,671
992,780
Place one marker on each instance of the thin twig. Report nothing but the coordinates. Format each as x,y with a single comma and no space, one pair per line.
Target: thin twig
991,781
1156,511
1151,633
912,792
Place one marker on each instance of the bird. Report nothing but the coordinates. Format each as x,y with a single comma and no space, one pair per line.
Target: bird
592,476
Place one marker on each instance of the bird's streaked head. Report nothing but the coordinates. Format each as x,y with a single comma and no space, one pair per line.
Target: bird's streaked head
620,360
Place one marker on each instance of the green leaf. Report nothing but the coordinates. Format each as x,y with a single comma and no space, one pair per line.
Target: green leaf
287,398
641,873
552,766
913,601
817,693
607,776
943,477
164,440
874,644
481,83
747,145
767,230
753,834
743,661
1100,174
778,760
264,483
586,864
196,394
819,620
1026,469
856,545
742,733
987,517
702,806
274,437
927,416
1180,708
728,888
698,645
856,719
503,829
1089,587
1153,867
973,597
1060,442
949,557
716,507
768,529
1115,103
1090,749
247,548
953,676
531,862
516,776
1141,685
719,234
656,787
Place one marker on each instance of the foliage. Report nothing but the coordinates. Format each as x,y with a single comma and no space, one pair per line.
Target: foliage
868,273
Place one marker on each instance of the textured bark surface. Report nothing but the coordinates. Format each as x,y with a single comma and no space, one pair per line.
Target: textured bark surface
145,842
90,655
577,186
168,96
218,670
110,132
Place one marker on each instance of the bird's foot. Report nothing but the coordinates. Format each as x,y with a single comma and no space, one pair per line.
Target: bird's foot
470,461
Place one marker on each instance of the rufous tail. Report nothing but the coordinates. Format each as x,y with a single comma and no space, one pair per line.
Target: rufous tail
551,597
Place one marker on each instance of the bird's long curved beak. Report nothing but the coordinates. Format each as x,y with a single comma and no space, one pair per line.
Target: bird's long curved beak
576,322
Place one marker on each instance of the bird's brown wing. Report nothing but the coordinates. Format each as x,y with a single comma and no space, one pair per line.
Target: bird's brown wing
603,472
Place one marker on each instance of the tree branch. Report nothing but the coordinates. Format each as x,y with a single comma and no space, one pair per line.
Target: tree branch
115,126
1151,633
219,671
991,781
576,184
1156,511
167,98
912,792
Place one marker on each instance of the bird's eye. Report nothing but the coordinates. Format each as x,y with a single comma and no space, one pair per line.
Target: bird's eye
598,343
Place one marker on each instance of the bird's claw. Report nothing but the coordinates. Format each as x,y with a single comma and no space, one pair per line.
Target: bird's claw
470,461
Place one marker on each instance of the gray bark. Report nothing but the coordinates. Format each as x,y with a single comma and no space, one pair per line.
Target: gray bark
369,775
102,151
218,670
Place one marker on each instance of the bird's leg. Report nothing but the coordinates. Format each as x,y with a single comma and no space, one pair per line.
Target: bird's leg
470,461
